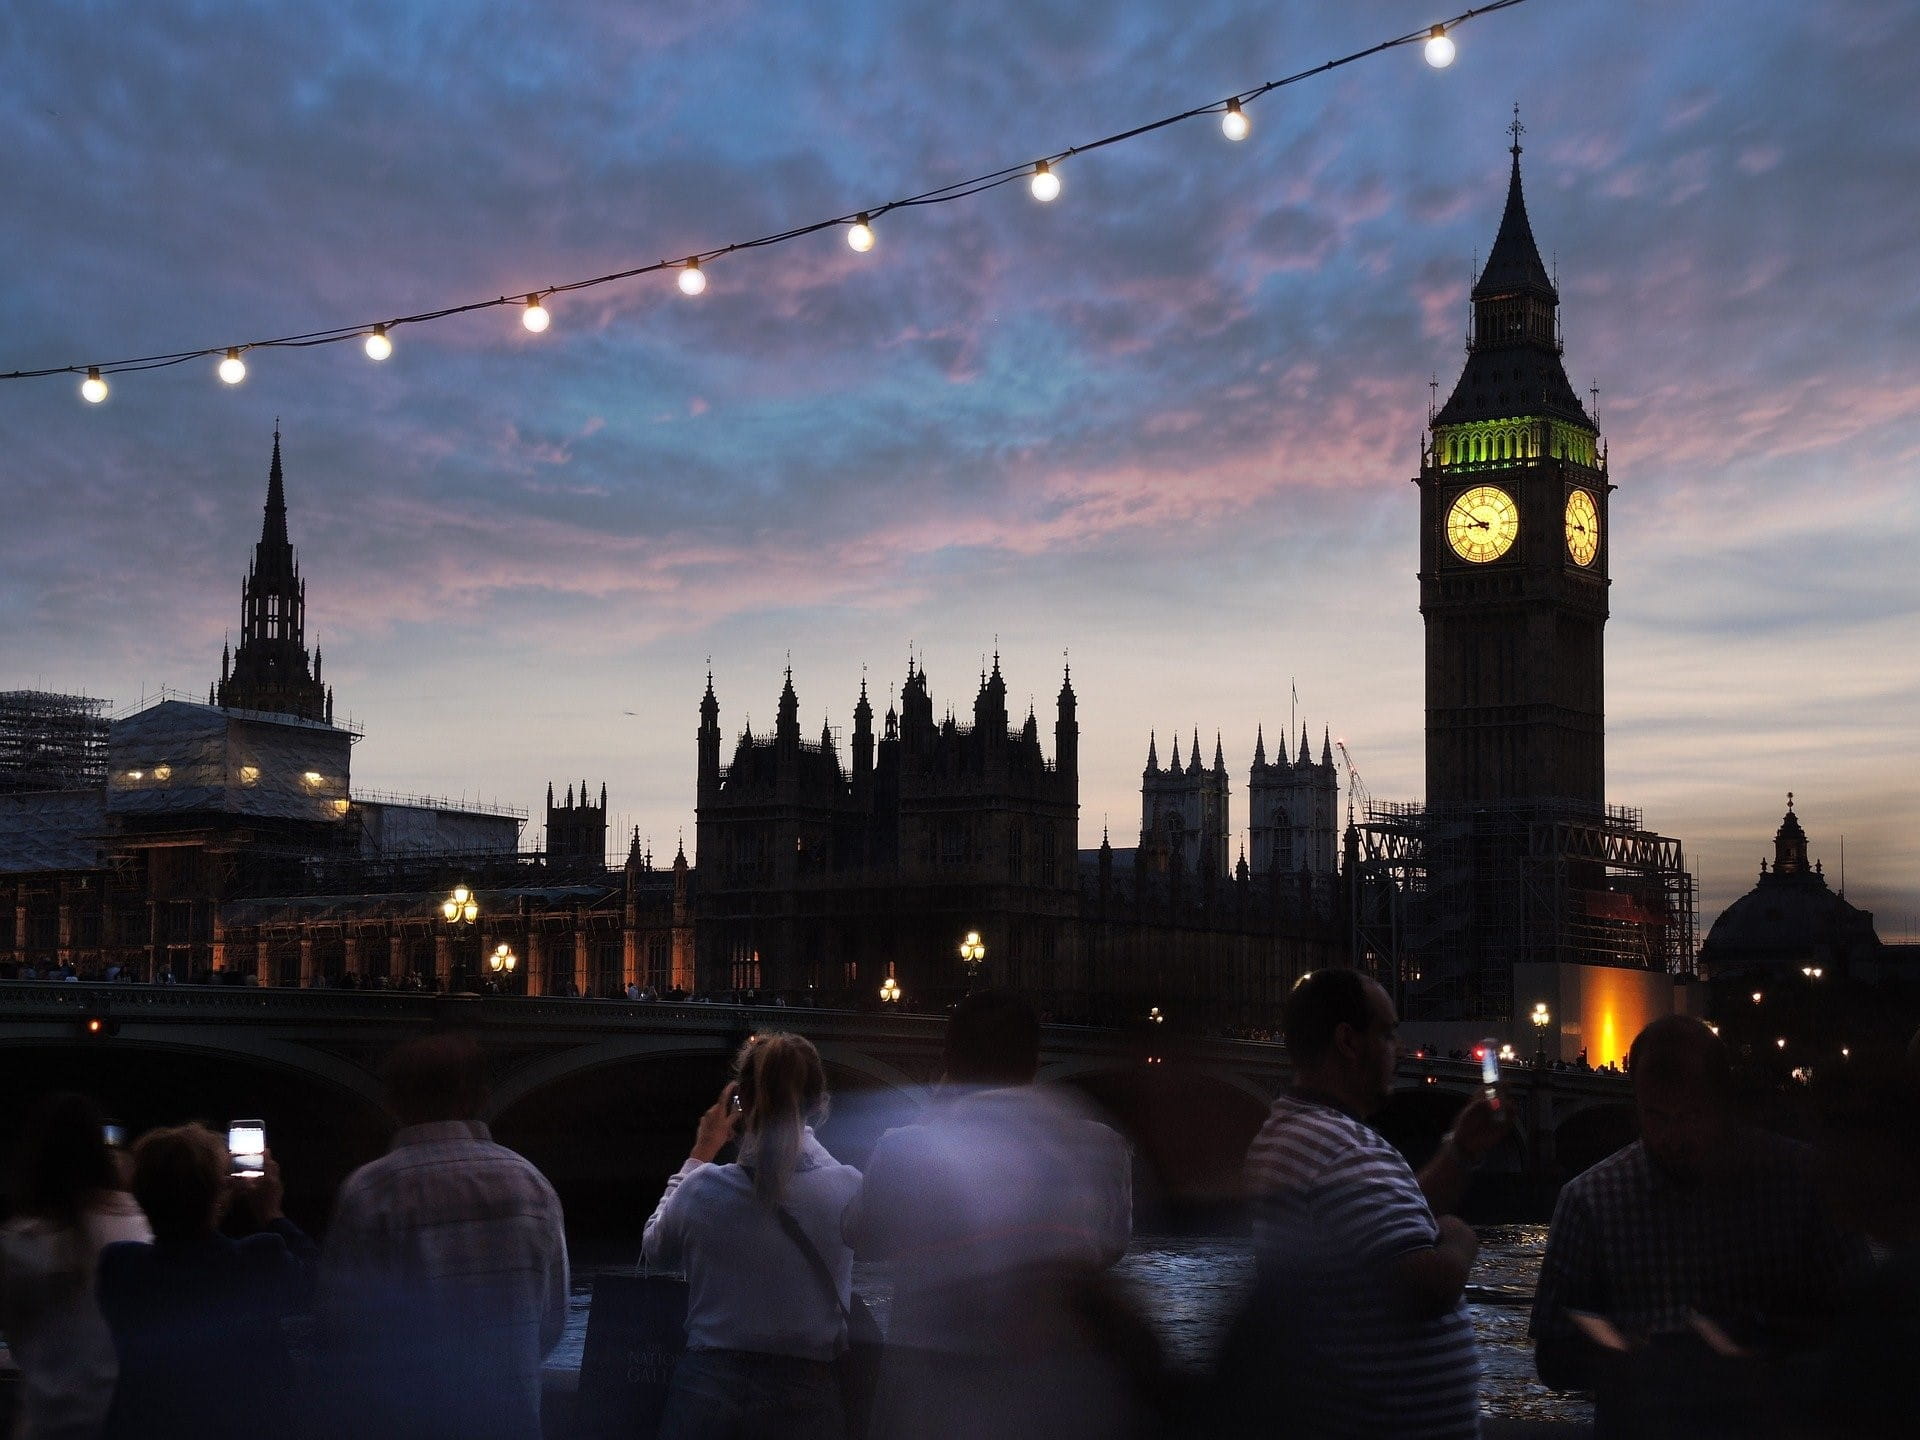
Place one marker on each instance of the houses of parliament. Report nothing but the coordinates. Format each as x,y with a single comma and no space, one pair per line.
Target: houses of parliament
224,838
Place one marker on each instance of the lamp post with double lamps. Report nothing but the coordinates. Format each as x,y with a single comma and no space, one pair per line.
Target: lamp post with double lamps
1541,1020
973,954
461,908
502,962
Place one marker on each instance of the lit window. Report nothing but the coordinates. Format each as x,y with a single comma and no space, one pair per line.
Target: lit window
249,774
312,777
136,774
163,772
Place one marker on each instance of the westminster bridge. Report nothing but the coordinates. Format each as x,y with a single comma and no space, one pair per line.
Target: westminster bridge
603,1094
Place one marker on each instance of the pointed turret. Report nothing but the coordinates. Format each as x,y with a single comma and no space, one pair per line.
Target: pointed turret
1066,728
274,545
1219,756
1153,752
1790,844
1306,751
1193,755
1326,746
1175,767
1259,746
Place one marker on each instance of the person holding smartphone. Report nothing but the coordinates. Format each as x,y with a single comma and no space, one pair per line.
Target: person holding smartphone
755,1239
195,1315
69,1203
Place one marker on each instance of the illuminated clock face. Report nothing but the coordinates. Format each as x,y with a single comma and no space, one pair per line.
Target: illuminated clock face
1482,524
1583,528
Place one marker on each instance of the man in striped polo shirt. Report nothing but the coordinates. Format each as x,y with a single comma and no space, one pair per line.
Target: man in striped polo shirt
1365,1282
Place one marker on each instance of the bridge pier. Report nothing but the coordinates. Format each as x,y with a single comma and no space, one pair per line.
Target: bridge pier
307,971
582,973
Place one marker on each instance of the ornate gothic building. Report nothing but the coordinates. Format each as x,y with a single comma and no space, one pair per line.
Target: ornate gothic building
826,874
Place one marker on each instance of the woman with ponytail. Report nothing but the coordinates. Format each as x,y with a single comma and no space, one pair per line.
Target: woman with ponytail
759,1241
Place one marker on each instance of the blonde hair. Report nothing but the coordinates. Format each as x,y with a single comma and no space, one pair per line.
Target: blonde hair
782,1088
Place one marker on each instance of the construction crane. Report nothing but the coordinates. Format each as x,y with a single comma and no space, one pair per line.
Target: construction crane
1356,788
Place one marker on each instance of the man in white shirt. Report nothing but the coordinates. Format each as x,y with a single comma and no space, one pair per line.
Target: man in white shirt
997,1211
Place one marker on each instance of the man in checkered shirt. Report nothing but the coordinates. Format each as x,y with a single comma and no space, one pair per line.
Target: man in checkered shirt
443,1283
1681,1268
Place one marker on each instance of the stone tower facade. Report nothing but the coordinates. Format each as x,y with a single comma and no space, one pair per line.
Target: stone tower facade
1513,553
1184,816
577,829
1292,809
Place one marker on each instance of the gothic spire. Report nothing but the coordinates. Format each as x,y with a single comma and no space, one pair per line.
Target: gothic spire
1219,756
273,527
1153,751
1259,745
1514,262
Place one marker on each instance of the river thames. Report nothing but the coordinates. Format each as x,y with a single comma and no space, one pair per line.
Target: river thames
1188,1287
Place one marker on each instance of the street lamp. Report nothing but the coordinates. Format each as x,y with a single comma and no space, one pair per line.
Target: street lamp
1541,1020
460,908
973,954
890,988
1812,972
1156,1017
502,961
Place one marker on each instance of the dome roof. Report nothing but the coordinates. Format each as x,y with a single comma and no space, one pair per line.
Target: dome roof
1790,914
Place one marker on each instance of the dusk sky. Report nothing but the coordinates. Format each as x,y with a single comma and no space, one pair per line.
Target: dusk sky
1166,423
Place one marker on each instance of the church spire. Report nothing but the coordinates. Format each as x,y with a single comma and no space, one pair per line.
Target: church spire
271,670
1514,262
1259,745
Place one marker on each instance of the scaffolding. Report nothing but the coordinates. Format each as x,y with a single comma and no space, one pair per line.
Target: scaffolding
1448,902
51,742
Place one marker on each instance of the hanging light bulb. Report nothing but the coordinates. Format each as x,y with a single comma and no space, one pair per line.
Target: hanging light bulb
692,279
1439,49
535,316
1045,184
93,389
233,369
860,237
379,347
1234,124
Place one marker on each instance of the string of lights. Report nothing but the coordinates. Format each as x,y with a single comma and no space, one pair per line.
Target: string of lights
1043,182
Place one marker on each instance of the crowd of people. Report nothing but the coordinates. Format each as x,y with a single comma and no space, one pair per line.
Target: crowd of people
1707,1280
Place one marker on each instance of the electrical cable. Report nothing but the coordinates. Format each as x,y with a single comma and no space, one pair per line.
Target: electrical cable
942,195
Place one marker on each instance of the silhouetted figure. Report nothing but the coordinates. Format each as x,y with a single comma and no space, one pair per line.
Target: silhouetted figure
999,1210
1682,1270
444,1281
763,1327
68,1205
196,1317
1371,1332
1870,1152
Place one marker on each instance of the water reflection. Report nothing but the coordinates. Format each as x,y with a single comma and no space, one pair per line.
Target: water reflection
1189,1287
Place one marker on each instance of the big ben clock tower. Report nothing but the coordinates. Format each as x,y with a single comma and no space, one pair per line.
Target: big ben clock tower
1516,877
1513,553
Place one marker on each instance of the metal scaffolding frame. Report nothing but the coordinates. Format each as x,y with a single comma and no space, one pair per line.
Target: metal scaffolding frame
52,742
1446,903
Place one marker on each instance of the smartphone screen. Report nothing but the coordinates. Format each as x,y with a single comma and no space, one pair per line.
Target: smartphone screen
116,1135
1490,1066
247,1143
